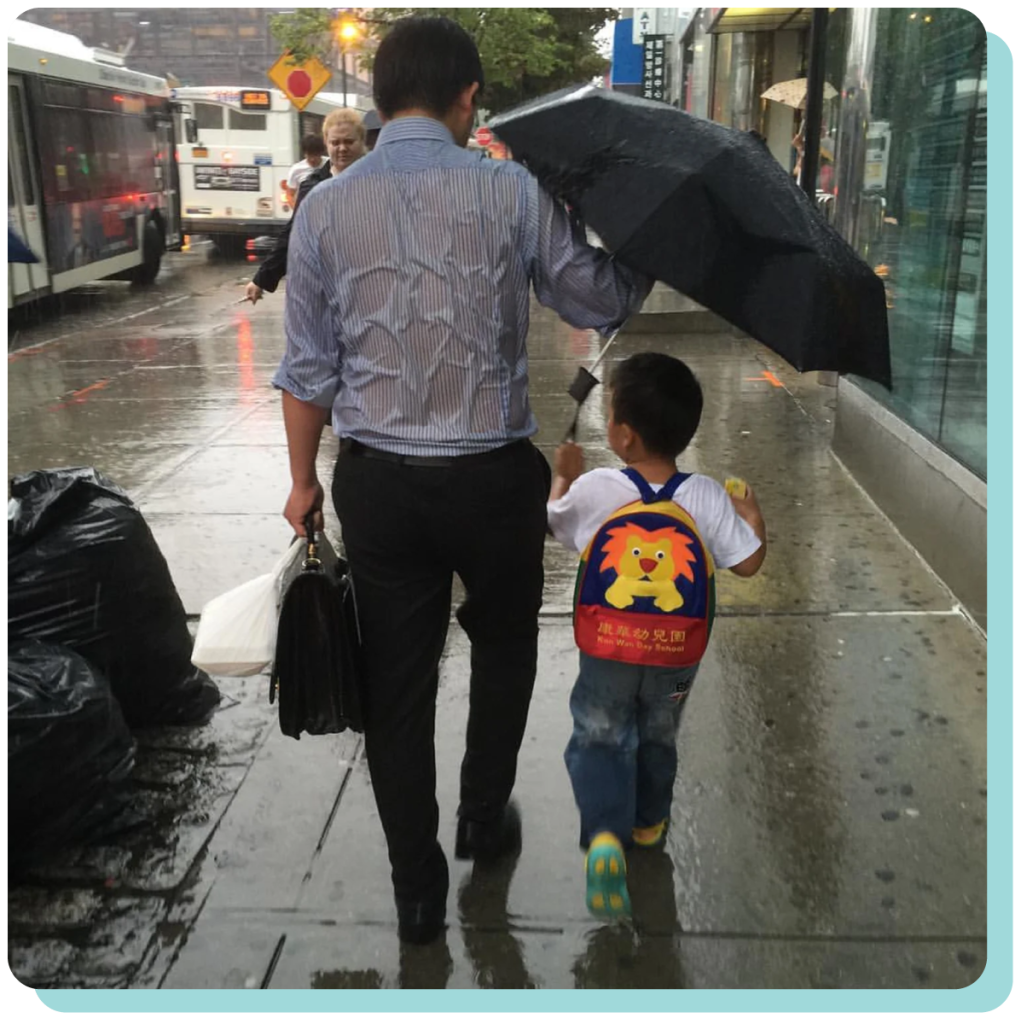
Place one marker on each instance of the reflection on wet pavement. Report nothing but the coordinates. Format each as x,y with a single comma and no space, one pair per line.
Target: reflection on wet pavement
829,816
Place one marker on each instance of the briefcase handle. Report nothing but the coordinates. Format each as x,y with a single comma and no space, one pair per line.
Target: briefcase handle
311,556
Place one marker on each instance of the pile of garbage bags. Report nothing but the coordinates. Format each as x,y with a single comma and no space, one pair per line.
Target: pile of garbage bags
98,644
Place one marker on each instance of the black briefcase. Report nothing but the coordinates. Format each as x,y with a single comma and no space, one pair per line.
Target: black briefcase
316,678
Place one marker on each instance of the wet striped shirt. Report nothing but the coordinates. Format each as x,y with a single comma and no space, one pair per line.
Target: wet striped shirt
408,292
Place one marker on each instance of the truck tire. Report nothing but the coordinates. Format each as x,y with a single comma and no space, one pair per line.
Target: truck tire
152,253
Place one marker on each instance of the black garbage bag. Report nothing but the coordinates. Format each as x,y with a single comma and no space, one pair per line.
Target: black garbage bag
316,665
69,750
83,570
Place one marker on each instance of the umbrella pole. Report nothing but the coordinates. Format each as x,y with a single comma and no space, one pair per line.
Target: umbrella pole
606,348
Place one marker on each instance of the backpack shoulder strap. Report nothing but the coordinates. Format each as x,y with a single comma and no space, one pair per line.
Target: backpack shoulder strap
665,493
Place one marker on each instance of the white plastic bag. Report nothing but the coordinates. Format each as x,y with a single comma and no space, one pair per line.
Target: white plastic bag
238,630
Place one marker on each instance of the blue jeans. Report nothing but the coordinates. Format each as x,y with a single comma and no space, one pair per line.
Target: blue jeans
622,755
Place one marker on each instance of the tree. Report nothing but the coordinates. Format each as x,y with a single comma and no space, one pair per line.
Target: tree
525,51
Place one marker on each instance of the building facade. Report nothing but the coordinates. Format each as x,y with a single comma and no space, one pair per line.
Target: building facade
902,175
191,45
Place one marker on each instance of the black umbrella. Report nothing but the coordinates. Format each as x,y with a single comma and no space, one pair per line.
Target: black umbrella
709,211
315,668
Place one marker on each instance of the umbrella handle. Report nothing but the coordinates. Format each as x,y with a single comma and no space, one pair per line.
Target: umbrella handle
572,430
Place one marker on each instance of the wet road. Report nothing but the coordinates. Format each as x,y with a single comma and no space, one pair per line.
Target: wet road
829,817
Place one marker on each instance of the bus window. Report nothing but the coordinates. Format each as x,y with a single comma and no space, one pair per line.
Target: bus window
243,121
67,172
17,118
310,124
110,153
209,116
139,144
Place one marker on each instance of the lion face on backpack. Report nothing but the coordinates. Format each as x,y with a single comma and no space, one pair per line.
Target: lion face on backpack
647,563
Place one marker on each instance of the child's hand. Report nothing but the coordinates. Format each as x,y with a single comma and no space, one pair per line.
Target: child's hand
569,461
747,507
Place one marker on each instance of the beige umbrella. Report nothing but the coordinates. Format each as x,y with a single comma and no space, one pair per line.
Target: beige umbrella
793,93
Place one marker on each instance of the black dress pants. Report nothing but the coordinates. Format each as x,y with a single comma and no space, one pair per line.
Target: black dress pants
407,529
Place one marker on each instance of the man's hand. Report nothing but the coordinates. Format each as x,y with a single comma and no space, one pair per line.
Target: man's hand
301,502
253,292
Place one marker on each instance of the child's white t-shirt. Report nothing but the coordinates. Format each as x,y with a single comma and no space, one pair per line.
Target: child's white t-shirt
596,495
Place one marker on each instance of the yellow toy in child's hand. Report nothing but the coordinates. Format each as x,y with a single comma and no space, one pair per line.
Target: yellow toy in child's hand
736,487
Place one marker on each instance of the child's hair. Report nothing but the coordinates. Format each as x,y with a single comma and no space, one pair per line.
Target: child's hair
660,399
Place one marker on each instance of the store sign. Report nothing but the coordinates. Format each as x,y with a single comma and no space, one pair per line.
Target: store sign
654,68
252,99
645,23
227,178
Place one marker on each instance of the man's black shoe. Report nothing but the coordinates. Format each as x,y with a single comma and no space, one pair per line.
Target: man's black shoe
489,840
421,914
421,921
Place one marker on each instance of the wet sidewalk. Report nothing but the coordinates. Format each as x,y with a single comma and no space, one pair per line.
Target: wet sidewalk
829,818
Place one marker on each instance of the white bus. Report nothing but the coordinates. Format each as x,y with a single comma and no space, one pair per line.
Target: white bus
92,184
235,147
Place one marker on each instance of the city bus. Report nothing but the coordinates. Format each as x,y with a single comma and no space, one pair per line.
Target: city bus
235,148
92,183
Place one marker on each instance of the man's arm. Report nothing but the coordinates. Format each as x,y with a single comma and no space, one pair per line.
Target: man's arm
585,285
273,268
309,374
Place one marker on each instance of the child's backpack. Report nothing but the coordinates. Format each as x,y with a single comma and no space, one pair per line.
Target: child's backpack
646,588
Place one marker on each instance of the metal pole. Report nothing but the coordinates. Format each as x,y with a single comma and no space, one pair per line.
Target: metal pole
814,99
343,72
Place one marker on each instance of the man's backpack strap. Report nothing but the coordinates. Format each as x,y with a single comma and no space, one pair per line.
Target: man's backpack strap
665,493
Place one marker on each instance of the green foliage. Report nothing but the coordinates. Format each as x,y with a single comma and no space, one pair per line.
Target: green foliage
525,51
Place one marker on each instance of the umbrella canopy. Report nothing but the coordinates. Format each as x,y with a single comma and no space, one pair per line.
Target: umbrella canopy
794,93
709,211
17,251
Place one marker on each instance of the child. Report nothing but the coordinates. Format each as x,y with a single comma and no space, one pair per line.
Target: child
622,755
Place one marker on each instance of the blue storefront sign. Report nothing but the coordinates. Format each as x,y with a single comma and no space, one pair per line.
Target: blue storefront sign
627,57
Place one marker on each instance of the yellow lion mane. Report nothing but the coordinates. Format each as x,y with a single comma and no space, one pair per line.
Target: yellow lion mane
617,543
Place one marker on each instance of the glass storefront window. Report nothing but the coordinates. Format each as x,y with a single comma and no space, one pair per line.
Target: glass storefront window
919,218
698,65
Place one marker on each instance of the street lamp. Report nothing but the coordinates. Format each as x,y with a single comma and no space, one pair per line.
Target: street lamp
348,32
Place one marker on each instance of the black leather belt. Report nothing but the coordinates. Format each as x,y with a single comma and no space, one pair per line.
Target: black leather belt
352,447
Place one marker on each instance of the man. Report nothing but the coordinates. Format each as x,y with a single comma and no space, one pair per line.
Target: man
407,313
313,154
344,137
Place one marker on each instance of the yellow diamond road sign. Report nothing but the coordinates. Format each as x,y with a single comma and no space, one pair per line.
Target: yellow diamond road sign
299,82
